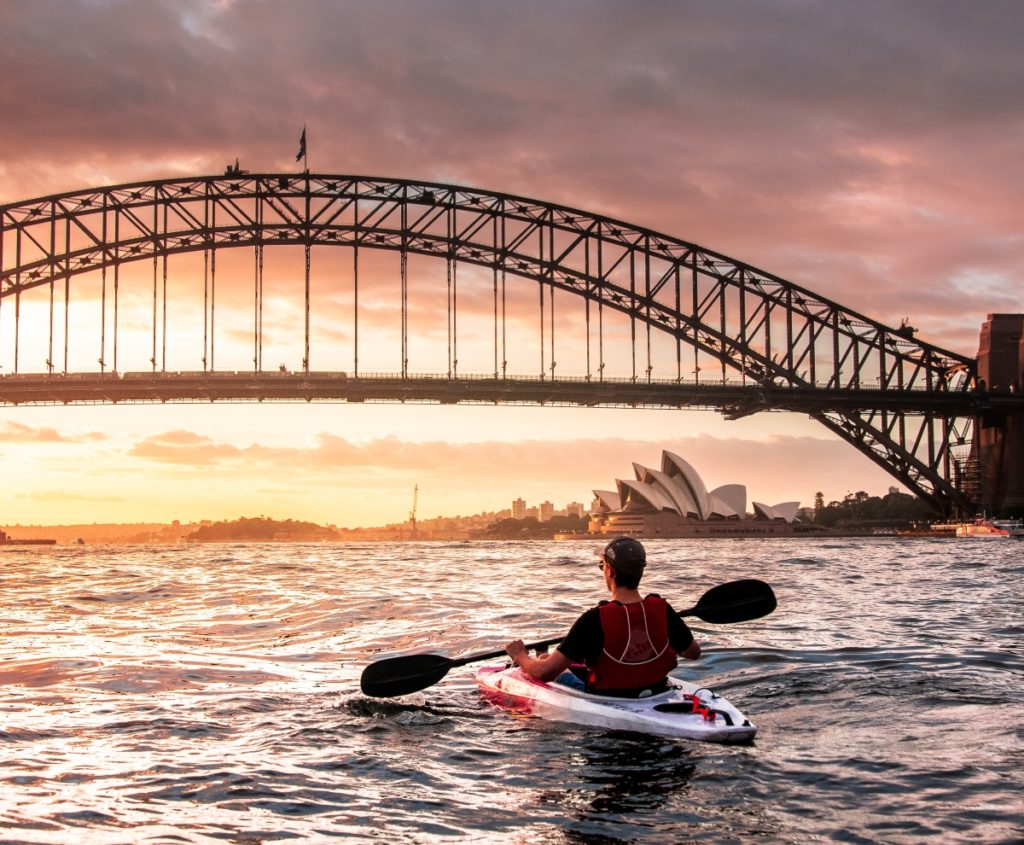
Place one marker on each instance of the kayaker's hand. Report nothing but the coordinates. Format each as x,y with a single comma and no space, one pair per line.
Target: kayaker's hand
516,649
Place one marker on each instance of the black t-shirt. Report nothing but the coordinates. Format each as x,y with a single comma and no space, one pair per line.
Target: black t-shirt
585,640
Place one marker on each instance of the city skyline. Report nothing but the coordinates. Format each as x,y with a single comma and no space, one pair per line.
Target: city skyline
519,509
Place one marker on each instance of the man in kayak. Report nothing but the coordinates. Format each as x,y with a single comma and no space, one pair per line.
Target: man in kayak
628,645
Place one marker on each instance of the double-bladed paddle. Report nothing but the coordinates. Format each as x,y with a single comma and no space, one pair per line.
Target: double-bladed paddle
735,601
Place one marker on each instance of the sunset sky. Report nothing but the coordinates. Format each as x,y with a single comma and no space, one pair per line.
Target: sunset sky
870,151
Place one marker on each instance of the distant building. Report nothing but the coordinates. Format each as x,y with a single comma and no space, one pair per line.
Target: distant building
532,513
547,510
518,509
574,509
674,502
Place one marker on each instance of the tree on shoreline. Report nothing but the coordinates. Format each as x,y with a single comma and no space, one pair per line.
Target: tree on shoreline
892,510
260,529
532,528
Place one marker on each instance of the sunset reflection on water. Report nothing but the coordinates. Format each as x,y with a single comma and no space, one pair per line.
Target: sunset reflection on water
211,692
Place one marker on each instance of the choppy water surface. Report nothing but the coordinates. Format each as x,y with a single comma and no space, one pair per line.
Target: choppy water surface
210,693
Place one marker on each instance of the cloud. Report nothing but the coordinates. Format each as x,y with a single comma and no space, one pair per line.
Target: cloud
866,150
774,468
15,432
69,497
185,447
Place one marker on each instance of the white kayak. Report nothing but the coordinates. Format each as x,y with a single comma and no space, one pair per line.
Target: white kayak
684,711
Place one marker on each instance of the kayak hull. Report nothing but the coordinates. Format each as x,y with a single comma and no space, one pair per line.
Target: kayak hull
671,713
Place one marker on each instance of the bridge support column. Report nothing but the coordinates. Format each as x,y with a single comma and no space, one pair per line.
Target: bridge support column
999,437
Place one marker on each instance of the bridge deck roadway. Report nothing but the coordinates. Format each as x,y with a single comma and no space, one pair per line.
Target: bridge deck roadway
734,400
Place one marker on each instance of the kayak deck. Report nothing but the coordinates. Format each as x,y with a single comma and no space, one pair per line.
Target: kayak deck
684,711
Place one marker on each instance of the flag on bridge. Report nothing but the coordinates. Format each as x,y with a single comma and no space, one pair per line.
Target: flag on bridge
302,146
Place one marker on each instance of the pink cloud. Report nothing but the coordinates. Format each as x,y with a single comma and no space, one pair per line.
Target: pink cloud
775,468
184,447
66,497
15,432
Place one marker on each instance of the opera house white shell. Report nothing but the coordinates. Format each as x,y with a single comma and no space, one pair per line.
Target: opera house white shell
674,501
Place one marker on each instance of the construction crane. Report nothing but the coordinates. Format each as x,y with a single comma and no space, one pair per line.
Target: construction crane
412,513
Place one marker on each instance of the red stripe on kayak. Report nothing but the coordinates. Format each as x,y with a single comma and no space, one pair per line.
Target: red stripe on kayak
514,703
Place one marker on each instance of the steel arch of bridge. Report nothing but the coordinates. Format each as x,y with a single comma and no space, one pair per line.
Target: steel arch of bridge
908,405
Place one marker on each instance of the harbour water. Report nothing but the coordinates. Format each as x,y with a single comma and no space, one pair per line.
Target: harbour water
210,694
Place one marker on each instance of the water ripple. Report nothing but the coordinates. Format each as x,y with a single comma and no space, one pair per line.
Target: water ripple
210,694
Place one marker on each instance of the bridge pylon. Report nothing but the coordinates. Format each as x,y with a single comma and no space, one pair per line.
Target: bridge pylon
999,439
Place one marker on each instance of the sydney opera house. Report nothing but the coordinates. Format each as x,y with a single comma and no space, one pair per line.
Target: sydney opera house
674,502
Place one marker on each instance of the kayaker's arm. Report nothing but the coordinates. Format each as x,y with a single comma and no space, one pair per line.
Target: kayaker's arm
681,637
543,667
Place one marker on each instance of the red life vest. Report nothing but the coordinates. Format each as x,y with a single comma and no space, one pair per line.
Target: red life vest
636,651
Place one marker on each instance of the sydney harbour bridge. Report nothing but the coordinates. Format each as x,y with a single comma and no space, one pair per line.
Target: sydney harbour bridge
311,287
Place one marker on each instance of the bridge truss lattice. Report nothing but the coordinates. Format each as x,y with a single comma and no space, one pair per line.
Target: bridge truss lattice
742,340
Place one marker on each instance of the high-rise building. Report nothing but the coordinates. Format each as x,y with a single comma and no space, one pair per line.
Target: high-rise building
547,510
574,509
519,508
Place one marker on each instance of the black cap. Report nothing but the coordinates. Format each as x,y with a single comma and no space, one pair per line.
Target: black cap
626,555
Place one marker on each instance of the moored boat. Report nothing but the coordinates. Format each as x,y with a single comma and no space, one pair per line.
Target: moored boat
5,540
991,528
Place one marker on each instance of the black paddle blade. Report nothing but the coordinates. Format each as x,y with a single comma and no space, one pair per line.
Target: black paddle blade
403,675
736,601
